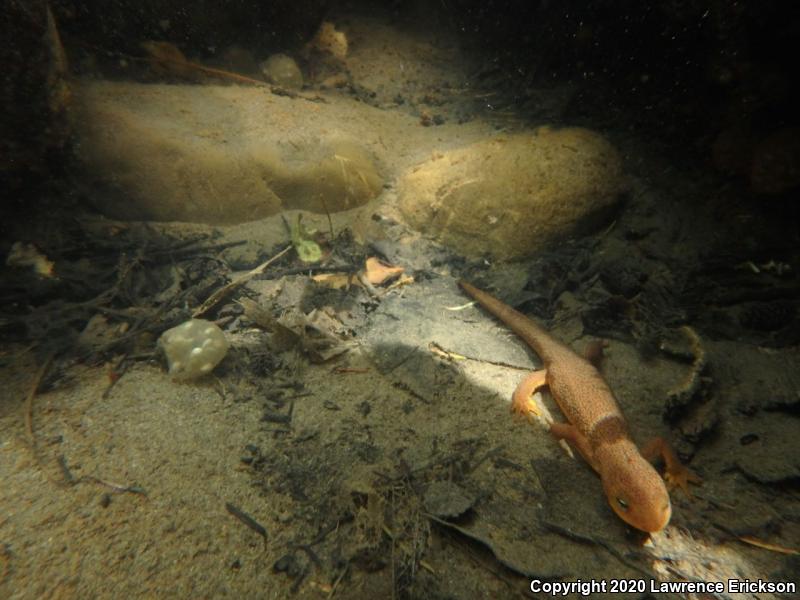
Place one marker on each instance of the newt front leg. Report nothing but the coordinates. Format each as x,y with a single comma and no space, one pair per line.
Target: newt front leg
676,474
522,402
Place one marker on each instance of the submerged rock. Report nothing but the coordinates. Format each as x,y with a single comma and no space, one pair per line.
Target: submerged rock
216,154
511,196
282,70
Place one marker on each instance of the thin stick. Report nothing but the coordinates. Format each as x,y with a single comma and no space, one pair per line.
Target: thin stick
220,73
132,489
241,280
32,394
394,574
327,214
247,520
339,580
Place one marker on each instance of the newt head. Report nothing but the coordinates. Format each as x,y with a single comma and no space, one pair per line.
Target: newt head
635,490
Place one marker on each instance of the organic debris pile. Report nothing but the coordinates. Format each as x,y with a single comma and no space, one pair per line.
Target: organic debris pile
109,290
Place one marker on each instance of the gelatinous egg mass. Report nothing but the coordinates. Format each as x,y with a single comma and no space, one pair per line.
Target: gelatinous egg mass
193,348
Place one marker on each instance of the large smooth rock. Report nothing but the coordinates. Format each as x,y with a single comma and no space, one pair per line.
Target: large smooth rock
511,196
217,154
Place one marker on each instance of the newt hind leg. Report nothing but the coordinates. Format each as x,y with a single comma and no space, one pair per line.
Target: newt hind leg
676,473
594,352
522,402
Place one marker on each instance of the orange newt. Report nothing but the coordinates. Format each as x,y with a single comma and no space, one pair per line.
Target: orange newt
596,428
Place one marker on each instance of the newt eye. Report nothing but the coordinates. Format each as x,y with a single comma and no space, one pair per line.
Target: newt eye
622,504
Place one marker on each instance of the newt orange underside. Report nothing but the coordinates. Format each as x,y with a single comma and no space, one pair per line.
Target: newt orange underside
596,427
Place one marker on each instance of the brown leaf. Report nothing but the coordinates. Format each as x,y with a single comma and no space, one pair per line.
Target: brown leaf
336,281
379,272
283,338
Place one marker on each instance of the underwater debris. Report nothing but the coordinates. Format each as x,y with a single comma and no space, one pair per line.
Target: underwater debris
691,405
222,292
167,59
247,520
37,380
681,395
316,334
24,255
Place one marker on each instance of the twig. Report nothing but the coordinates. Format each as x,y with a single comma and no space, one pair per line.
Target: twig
32,394
68,476
115,373
247,520
223,74
312,269
132,489
239,281
311,555
5,557
328,214
394,572
339,580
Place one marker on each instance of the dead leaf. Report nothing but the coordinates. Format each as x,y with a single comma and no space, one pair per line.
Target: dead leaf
318,335
27,255
404,280
322,338
336,281
283,338
378,272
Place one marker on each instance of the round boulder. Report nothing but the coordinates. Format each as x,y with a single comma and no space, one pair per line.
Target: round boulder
512,196
216,154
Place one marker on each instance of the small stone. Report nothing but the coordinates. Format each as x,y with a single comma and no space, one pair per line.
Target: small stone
282,70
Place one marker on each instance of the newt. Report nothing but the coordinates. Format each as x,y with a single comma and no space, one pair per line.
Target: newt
596,427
